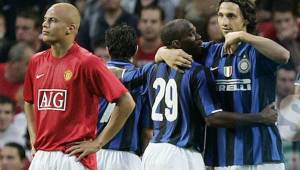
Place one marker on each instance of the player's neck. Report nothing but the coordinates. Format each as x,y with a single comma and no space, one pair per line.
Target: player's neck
58,50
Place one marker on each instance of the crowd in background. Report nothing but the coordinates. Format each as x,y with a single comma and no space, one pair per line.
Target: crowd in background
20,38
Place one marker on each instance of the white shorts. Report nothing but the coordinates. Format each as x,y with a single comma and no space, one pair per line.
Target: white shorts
266,166
164,156
117,160
54,160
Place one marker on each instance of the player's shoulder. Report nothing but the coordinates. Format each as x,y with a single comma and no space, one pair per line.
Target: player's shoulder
197,70
197,67
212,45
150,66
39,55
87,57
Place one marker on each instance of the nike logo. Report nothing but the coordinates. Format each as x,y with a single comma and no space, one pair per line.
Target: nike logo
39,76
213,68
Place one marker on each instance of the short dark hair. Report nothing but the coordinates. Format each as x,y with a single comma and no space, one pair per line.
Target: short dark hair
247,8
287,67
173,30
155,7
8,100
21,150
283,7
32,14
121,41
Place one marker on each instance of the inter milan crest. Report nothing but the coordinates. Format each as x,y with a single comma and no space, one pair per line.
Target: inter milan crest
244,65
68,75
227,71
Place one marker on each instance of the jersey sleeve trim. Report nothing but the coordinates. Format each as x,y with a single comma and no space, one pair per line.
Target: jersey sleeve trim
122,75
215,111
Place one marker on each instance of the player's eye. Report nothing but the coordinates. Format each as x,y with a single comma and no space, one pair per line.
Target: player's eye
231,16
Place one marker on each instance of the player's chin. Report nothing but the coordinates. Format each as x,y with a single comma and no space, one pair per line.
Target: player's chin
226,31
47,40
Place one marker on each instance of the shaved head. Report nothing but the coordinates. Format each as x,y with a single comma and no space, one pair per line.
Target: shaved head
66,12
61,24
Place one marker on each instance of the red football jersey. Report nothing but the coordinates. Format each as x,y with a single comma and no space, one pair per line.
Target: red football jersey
65,93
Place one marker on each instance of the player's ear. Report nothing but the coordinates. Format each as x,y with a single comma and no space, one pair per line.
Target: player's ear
70,29
176,44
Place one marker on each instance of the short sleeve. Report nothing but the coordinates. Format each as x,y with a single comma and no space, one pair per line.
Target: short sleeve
101,81
264,66
205,95
28,83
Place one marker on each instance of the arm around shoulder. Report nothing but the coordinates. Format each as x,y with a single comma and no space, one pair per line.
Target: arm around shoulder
267,47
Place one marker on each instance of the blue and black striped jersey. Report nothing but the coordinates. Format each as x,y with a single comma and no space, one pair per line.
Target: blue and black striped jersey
129,137
179,102
246,84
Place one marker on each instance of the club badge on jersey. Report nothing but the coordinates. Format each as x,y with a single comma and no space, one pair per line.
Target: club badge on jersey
68,75
244,65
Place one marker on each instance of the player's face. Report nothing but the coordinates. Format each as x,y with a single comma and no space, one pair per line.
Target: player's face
230,18
285,82
10,159
6,116
54,27
150,24
191,42
26,30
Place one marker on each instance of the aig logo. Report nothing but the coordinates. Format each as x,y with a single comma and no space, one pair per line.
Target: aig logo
52,99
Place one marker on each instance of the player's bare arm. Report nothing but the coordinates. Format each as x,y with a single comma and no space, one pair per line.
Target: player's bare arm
28,108
232,120
175,58
267,47
124,107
